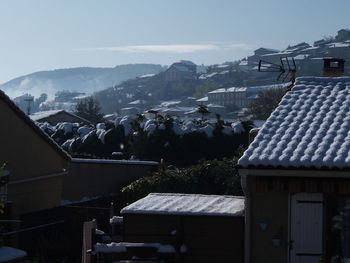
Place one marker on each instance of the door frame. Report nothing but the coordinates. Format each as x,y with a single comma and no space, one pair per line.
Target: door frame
290,220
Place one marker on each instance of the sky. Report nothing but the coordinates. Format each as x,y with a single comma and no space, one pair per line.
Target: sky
40,35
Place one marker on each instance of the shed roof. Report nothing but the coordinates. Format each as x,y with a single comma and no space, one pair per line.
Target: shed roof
309,129
187,204
31,124
37,116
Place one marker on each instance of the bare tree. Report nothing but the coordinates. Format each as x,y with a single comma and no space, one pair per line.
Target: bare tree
267,100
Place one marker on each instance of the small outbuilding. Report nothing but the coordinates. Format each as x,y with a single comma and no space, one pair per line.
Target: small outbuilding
55,116
202,228
296,177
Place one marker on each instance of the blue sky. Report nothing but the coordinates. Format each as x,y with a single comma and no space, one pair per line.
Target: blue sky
45,34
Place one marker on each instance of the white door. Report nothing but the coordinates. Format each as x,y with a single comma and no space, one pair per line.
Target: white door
306,228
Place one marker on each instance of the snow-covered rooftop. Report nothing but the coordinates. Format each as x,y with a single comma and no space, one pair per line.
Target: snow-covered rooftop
107,161
187,204
338,44
43,114
254,89
204,99
11,254
310,128
147,76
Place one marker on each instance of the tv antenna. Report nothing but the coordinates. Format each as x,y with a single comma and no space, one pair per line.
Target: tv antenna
287,68
29,101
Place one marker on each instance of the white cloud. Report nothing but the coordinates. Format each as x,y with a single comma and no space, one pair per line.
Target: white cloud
240,46
186,48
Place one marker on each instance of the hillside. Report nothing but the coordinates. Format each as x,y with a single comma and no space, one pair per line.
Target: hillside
84,79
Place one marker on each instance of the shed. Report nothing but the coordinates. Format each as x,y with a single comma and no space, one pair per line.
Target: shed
296,177
207,228
55,116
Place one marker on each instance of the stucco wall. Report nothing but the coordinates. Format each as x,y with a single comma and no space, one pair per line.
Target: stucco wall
27,153
29,156
96,179
273,209
35,195
207,238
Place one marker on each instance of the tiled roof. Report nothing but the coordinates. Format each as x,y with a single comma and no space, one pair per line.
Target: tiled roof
309,129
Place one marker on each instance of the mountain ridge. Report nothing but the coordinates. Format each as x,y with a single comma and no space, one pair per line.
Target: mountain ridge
82,79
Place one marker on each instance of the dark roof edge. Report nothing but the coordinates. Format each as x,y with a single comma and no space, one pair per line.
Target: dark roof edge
31,124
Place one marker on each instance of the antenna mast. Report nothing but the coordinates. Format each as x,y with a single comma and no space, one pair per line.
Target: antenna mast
286,68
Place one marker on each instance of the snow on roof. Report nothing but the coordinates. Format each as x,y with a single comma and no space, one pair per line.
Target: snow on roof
204,99
43,114
37,116
338,44
222,66
224,72
81,97
147,76
106,161
137,102
283,53
301,56
211,75
254,89
10,253
310,128
187,204
211,105
267,49
170,103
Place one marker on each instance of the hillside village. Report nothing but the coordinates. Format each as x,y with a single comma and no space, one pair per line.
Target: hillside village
129,188
226,88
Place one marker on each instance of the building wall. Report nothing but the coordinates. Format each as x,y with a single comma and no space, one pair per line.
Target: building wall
101,179
272,208
173,74
207,238
238,99
29,156
35,195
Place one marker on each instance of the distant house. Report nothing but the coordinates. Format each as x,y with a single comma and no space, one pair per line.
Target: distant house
55,116
36,163
183,70
343,34
202,228
236,96
129,111
254,59
296,178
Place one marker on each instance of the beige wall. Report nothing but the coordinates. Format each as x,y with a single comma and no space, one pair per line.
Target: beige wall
207,238
101,179
273,208
29,156
35,195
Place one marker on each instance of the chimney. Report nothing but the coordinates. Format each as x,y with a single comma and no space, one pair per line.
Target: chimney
333,67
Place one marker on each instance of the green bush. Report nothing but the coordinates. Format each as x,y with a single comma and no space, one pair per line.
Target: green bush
207,177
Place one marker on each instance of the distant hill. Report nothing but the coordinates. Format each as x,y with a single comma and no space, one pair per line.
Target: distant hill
84,79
